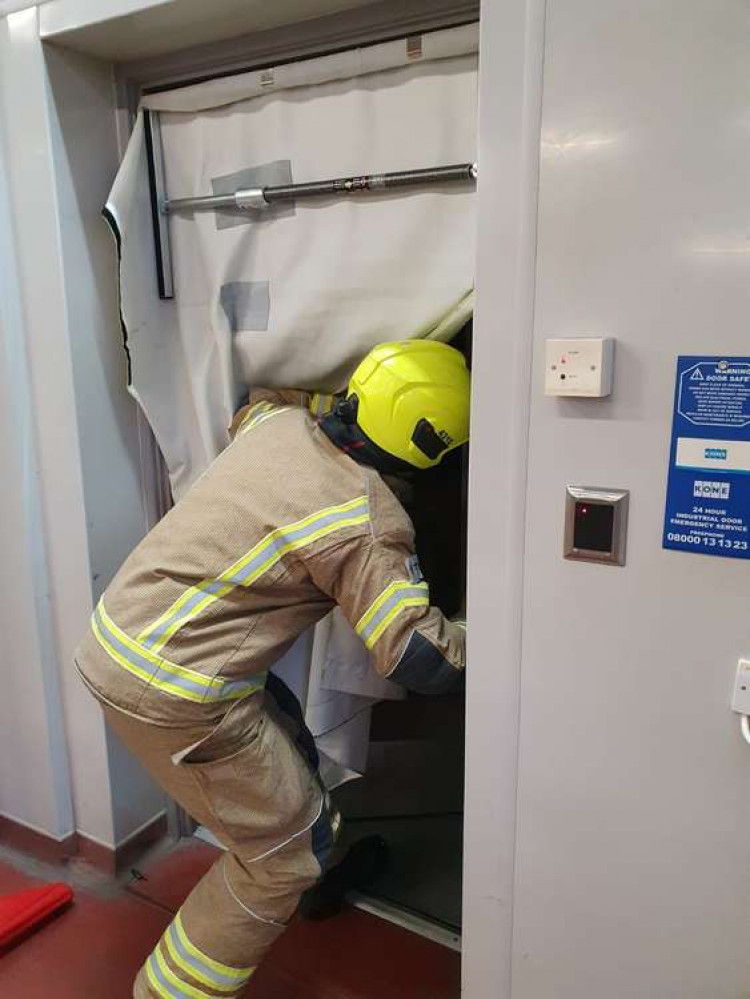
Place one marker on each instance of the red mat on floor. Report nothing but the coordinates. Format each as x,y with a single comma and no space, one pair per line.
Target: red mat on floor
22,912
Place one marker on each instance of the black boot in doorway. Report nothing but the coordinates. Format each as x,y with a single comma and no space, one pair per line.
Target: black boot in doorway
363,864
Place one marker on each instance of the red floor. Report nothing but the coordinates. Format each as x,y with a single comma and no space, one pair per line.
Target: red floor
94,949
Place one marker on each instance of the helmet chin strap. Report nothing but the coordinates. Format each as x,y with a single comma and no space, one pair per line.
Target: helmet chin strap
349,438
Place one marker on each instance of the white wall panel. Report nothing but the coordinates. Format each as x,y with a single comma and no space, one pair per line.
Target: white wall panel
84,148
44,802
633,873
60,154
35,784
43,310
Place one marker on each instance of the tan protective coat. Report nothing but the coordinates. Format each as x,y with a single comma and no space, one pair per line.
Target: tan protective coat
281,527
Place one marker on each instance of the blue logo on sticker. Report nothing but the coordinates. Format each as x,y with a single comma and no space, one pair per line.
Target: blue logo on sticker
716,453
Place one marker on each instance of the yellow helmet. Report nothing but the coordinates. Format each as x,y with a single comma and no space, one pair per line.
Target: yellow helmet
411,399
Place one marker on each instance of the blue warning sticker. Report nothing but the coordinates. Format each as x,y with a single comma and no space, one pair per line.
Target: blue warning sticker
708,489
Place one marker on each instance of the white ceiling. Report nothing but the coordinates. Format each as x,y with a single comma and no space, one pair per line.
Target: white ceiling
124,30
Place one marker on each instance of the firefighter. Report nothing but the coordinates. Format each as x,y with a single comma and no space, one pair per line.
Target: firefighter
293,517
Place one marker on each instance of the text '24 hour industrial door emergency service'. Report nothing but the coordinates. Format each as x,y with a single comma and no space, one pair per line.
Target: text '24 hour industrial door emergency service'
708,491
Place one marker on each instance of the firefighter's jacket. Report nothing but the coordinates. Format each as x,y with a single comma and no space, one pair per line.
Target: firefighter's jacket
282,526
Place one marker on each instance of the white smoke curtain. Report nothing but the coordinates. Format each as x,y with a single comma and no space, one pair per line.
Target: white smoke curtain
296,294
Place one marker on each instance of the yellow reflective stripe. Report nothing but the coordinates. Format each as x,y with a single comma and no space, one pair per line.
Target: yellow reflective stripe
267,416
250,567
240,974
206,969
387,606
254,564
131,667
231,692
193,969
320,404
261,417
155,984
157,635
381,599
137,671
162,674
158,661
166,983
256,410
389,619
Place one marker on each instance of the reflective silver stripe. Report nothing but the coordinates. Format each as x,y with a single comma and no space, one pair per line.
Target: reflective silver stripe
166,983
388,605
167,676
263,556
257,418
205,969
253,413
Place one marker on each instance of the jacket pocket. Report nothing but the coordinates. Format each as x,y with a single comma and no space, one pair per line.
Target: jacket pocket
235,731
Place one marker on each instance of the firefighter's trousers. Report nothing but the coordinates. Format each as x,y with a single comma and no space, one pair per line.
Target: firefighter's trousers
252,780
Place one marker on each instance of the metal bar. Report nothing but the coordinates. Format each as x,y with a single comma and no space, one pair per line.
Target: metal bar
415,923
262,197
158,187
372,182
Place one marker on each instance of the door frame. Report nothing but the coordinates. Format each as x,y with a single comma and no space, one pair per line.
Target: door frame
510,101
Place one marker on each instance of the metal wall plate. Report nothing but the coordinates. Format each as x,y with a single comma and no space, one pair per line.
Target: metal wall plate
596,524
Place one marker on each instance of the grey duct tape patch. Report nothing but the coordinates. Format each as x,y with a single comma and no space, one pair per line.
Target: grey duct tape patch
266,175
246,304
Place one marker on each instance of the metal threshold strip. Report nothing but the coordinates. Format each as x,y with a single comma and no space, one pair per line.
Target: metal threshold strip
406,919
